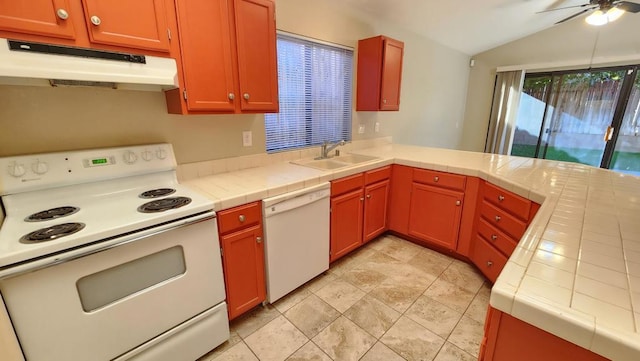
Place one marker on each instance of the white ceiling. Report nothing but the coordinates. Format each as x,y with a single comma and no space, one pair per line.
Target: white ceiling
470,26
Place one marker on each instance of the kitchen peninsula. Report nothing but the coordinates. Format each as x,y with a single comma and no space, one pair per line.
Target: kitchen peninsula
576,271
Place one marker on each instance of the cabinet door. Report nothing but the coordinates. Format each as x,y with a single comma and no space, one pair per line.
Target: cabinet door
391,75
39,17
140,24
346,223
435,215
400,198
207,60
256,46
243,261
375,209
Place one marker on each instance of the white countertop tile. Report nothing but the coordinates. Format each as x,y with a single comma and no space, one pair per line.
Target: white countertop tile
575,272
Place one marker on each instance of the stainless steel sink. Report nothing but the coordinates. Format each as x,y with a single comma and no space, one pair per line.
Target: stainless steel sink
335,162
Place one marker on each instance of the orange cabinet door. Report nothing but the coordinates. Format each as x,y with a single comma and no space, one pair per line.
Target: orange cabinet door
243,261
256,46
391,75
346,223
207,58
38,17
435,215
139,24
400,198
375,209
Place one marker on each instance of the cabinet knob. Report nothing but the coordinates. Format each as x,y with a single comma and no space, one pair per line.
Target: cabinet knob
436,179
246,96
368,196
95,20
232,96
241,218
498,218
458,203
489,263
384,101
361,199
62,14
494,237
259,239
501,198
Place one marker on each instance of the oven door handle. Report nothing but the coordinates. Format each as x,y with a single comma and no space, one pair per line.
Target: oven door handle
46,261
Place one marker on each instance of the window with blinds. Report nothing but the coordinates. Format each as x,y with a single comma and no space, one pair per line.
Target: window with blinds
315,87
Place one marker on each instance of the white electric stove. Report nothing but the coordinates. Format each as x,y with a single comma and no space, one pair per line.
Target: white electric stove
107,236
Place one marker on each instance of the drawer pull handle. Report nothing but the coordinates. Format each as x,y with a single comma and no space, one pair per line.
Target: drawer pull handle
259,239
458,203
498,218
436,179
62,14
494,237
501,198
489,263
241,218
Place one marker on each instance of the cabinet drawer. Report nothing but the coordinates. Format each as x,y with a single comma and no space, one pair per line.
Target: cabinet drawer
239,217
513,203
488,260
496,237
347,184
439,179
502,220
377,175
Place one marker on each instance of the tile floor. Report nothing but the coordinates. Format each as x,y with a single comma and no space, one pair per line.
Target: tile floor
390,300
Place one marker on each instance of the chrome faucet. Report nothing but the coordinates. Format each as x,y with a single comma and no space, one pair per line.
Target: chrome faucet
326,147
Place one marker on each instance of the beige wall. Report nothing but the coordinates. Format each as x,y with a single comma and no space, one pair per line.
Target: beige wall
42,119
570,42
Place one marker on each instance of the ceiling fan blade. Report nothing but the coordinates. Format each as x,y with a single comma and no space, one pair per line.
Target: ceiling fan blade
573,16
567,7
628,6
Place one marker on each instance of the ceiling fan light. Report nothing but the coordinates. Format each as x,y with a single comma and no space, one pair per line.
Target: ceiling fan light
614,14
597,18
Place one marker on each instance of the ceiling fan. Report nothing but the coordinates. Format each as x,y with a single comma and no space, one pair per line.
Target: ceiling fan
605,12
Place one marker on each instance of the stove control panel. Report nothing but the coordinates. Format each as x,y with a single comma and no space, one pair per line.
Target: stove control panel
39,171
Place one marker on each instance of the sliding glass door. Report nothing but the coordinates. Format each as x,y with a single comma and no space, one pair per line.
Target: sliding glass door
588,117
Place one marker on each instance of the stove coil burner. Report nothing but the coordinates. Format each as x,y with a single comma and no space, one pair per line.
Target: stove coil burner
161,205
155,193
52,213
51,233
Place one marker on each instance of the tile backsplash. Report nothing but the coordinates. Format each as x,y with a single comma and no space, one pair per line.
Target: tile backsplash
189,171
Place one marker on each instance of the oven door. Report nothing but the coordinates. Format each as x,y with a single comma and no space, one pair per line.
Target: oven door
102,305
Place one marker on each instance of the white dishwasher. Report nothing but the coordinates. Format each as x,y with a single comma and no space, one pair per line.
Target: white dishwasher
296,238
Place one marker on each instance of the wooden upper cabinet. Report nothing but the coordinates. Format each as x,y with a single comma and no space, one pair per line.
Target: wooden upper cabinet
207,59
257,60
39,17
379,74
139,24
228,58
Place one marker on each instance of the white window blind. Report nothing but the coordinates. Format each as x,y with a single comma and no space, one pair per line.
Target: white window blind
314,86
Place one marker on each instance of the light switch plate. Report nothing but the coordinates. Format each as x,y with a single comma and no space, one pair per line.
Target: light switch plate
247,138
377,127
361,129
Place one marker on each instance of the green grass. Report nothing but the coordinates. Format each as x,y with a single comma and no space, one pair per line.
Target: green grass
624,161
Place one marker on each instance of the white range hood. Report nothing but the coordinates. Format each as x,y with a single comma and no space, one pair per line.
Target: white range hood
51,69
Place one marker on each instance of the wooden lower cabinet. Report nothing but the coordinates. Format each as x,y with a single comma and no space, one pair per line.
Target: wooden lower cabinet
241,235
507,338
435,215
400,198
375,210
346,223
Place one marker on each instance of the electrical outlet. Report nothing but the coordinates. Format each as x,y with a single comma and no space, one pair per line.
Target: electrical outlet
247,138
377,127
361,129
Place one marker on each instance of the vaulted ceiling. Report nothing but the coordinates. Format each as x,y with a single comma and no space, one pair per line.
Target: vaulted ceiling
470,26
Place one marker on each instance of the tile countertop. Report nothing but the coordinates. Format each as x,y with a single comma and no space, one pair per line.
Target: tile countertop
575,272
